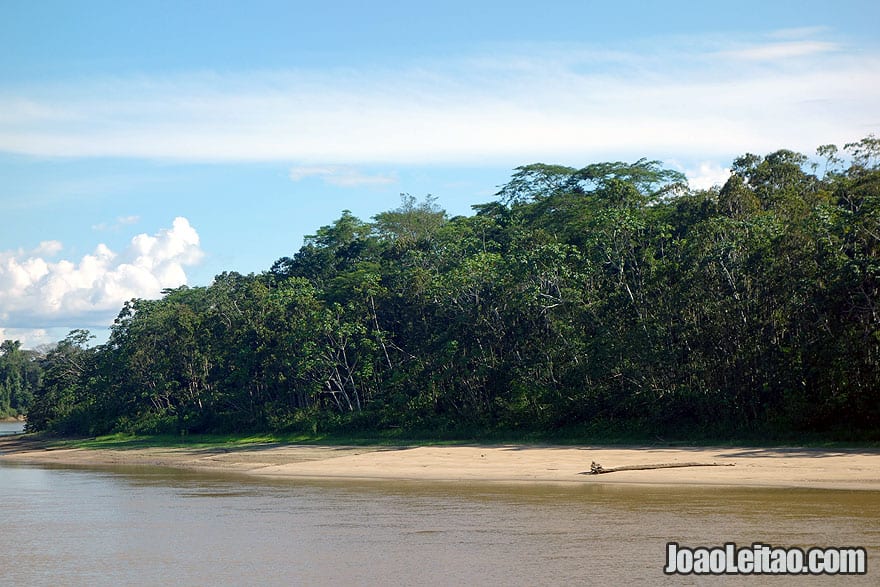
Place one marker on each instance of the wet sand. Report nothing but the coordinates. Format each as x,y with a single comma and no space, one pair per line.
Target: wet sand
743,467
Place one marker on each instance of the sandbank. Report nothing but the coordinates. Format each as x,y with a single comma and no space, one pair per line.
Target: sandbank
849,469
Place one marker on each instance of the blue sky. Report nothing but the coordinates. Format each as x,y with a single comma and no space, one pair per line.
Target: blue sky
145,145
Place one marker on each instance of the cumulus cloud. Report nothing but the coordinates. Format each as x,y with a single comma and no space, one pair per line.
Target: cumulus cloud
32,337
37,292
340,175
48,248
703,97
707,175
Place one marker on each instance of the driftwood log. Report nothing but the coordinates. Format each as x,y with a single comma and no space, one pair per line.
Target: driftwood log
597,469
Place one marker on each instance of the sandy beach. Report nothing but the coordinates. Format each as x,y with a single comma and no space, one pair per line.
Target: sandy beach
760,467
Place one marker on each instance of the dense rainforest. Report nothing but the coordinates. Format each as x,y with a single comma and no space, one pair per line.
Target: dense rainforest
20,374
582,302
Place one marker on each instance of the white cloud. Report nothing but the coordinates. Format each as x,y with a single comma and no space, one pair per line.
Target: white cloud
48,248
30,337
707,175
36,293
782,50
695,98
119,223
339,175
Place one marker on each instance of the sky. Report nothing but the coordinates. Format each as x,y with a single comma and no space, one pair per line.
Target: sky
147,145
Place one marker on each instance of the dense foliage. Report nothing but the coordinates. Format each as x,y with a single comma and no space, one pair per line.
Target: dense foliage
19,378
583,300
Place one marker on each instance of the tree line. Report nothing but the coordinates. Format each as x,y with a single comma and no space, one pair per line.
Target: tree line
20,374
607,298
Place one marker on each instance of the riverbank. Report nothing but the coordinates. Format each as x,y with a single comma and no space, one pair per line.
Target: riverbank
743,467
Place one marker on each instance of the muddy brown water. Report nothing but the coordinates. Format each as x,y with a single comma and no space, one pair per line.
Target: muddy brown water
149,526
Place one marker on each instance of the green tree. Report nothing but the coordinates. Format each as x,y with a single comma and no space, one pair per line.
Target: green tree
20,375
63,400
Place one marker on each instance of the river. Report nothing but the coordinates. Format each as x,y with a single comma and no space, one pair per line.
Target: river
149,526
7,428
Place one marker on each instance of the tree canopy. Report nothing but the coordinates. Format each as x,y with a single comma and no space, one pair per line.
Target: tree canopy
611,297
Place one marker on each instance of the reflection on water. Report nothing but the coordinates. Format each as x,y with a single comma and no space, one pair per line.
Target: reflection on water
156,527
7,428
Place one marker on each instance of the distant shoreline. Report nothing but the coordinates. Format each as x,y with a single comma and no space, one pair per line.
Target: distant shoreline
846,469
